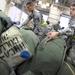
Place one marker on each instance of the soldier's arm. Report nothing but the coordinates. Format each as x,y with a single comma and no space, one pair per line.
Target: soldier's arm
27,20
67,31
73,25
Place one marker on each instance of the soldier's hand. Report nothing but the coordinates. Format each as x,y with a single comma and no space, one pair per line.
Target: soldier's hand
50,36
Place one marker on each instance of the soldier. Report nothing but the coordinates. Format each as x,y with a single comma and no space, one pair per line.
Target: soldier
69,31
39,23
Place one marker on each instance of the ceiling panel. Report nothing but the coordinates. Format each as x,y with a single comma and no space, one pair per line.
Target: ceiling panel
66,2
45,0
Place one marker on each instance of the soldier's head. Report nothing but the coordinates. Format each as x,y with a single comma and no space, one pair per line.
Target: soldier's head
72,9
30,6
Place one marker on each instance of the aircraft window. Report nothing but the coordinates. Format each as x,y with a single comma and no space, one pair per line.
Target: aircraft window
64,20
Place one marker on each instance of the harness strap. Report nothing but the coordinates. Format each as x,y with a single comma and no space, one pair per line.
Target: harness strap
43,23
70,68
73,37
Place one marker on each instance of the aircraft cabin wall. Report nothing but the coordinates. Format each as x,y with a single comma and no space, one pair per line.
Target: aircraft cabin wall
54,13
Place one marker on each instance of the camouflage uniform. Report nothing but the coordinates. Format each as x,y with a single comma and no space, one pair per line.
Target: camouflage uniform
38,20
70,31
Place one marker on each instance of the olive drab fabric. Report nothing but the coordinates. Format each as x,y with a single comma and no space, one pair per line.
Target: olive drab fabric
66,69
46,60
30,38
4,68
16,47
10,43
